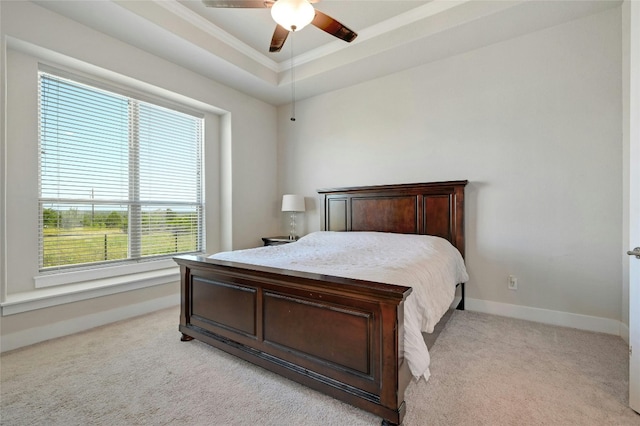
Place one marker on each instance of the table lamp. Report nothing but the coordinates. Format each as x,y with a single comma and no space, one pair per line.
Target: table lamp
294,204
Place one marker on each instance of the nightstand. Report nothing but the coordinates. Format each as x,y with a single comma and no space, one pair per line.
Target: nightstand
276,241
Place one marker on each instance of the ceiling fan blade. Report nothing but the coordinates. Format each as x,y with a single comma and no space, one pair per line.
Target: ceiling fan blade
246,4
278,39
328,24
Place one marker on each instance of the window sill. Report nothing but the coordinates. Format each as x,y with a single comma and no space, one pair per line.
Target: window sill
61,294
58,278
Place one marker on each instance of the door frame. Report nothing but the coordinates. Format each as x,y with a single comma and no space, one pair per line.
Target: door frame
631,186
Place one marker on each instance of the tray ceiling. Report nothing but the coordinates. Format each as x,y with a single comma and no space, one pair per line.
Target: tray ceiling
232,45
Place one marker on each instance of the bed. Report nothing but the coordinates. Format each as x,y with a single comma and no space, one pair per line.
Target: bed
341,336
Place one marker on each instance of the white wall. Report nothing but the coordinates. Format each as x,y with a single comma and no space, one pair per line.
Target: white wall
240,169
534,123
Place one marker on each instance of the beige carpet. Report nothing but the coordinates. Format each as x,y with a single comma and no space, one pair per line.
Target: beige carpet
486,370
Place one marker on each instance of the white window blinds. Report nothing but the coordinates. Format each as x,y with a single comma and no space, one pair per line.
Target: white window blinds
120,179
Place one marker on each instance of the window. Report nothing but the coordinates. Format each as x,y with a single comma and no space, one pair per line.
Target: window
120,178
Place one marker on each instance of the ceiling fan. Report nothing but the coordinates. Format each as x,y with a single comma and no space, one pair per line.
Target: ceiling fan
290,15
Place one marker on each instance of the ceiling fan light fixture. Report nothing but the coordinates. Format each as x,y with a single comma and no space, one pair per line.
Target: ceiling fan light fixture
292,15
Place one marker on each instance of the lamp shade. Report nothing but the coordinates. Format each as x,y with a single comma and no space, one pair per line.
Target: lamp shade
292,203
293,15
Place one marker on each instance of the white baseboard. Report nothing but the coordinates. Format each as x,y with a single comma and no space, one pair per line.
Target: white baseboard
76,325
624,332
546,316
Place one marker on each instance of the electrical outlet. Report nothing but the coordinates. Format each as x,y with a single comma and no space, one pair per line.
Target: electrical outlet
513,282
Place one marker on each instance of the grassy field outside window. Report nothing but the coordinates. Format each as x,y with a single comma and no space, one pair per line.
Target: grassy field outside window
80,245
67,243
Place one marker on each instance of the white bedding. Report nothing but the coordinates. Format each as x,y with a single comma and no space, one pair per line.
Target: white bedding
430,265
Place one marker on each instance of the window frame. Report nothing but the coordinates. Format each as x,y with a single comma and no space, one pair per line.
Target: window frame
84,272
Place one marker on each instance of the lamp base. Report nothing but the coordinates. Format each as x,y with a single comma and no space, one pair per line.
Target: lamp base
292,231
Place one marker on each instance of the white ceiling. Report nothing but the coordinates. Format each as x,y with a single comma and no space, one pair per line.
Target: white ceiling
355,14
232,45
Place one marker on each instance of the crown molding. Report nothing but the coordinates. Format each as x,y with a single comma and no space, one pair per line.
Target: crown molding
430,9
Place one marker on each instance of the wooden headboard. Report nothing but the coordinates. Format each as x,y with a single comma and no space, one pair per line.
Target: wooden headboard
435,208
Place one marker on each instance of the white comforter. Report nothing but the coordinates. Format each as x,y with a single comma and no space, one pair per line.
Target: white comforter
430,265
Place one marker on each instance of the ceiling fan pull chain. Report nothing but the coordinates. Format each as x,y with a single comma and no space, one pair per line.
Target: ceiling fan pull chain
293,80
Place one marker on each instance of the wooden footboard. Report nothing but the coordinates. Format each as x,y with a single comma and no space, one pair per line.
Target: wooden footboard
336,335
